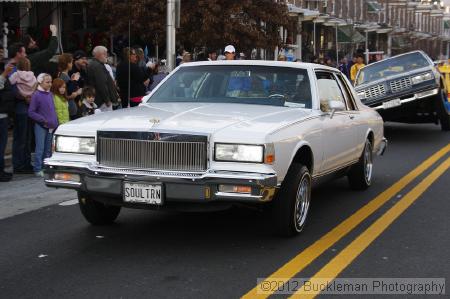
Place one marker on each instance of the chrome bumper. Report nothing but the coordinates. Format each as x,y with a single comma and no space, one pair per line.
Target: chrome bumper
179,186
416,96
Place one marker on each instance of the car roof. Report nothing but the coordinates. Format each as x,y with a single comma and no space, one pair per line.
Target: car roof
300,65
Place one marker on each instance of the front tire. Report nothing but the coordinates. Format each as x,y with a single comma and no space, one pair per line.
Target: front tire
97,213
360,174
291,205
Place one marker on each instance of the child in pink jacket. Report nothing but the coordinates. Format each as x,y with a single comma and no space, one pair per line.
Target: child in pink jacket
24,79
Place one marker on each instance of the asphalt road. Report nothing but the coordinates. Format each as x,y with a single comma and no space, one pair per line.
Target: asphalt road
49,251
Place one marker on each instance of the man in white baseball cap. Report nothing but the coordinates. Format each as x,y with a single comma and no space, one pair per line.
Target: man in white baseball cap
230,52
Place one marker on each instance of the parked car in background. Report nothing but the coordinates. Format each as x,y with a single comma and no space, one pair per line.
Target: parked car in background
405,88
215,134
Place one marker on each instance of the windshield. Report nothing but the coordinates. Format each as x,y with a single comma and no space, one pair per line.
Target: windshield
259,85
393,66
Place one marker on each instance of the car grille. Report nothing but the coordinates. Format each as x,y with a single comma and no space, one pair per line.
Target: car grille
399,85
375,91
152,151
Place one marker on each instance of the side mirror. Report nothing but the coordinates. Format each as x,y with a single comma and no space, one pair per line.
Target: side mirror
336,105
333,106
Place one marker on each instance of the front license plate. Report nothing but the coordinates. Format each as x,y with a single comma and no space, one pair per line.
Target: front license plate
392,104
143,193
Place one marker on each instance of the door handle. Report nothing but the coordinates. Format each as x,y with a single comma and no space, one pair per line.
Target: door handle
351,116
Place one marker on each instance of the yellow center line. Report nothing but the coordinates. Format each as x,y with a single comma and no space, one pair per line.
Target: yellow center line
307,256
331,270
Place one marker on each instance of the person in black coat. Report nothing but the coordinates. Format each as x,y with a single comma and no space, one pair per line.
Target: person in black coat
79,65
6,109
131,79
40,59
99,78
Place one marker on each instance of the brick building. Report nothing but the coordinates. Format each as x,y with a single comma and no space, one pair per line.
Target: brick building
387,26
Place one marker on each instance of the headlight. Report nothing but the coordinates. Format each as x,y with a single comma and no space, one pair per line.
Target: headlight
421,78
362,94
78,145
239,153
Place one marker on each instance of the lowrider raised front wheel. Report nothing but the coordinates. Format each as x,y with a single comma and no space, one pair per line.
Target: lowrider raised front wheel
95,212
291,205
360,175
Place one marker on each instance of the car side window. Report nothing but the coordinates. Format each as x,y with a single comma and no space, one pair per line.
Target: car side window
328,89
345,90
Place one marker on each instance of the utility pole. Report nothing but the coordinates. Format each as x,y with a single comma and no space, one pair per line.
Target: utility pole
170,38
337,45
367,46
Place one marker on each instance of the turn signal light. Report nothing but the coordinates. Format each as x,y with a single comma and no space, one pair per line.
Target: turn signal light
207,193
235,189
64,176
270,159
269,154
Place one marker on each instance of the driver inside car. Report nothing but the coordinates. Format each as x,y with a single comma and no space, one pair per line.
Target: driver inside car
239,84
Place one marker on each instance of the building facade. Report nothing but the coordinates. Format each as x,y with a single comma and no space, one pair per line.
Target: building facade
338,28
317,28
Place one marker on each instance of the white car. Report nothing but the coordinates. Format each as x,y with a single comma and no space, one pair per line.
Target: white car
214,134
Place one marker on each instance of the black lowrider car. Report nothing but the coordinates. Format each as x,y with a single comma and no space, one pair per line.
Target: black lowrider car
405,88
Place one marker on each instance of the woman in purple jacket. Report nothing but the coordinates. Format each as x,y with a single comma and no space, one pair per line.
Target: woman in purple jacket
42,111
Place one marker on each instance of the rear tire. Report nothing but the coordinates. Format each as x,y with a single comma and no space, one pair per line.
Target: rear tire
444,117
291,206
360,175
97,213
445,123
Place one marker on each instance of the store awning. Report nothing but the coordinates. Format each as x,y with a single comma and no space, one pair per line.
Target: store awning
347,34
306,13
374,6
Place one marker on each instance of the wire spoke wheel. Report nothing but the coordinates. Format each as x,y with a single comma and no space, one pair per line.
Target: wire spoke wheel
302,202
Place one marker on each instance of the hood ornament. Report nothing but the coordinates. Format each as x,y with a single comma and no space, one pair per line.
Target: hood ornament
155,121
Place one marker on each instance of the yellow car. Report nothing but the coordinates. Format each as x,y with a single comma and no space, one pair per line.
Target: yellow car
445,71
